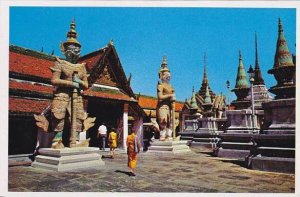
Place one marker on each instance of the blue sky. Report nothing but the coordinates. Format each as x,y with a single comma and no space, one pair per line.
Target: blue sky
143,35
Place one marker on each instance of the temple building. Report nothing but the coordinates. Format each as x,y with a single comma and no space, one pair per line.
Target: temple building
205,102
203,115
109,97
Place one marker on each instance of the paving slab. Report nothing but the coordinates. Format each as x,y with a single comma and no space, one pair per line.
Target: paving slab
196,171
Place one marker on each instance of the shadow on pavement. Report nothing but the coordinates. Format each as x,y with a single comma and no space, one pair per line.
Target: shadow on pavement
106,156
237,162
124,172
233,161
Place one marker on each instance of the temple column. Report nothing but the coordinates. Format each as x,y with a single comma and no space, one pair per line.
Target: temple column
125,125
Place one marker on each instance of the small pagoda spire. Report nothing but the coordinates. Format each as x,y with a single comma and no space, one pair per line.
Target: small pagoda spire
283,56
241,78
207,99
205,79
193,102
205,82
256,53
258,80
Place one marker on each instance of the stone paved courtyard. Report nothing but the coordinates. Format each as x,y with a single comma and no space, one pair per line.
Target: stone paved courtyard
192,172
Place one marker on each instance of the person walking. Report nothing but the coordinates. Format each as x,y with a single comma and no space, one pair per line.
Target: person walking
102,133
133,148
112,139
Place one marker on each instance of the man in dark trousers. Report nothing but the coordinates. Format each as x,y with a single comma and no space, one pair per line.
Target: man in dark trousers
102,133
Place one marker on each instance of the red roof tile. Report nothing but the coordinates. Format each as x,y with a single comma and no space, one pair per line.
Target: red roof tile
27,105
29,65
179,106
91,59
147,102
150,103
34,66
31,87
108,95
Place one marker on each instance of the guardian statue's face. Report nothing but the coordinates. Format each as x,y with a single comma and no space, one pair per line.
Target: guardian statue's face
72,53
165,77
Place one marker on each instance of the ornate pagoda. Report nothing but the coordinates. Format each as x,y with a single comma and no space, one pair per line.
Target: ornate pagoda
274,148
241,124
202,97
241,89
205,84
260,92
202,115
283,68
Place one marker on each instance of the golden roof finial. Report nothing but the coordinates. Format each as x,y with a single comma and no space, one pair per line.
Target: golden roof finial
111,42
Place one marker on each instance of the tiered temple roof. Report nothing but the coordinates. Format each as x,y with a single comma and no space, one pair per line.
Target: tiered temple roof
205,83
203,97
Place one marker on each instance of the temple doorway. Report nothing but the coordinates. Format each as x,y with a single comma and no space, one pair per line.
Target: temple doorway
105,111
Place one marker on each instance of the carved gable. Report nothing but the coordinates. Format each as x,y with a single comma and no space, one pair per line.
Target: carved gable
107,77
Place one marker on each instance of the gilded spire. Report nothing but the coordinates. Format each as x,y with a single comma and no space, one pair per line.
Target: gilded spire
111,42
258,80
241,79
205,82
164,64
205,79
256,53
283,56
72,35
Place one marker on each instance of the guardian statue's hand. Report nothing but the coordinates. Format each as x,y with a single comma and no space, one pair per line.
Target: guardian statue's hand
76,85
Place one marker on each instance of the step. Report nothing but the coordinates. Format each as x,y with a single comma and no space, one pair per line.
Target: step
274,164
237,145
233,153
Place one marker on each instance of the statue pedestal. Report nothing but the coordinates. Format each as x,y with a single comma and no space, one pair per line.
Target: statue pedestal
275,149
240,121
202,132
169,147
235,145
273,152
280,116
236,141
68,159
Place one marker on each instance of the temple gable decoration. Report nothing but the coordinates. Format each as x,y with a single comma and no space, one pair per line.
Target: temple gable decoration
107,77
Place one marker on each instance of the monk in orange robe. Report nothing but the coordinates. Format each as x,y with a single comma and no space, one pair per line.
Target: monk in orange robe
133,148
112,139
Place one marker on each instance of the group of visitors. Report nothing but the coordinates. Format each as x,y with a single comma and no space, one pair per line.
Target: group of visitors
132,143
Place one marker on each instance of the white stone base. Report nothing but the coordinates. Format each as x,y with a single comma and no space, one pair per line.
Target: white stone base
169,147
68,159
